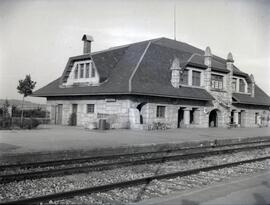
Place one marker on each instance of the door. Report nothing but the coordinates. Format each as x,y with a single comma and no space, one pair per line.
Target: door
180,117
59,113
74,114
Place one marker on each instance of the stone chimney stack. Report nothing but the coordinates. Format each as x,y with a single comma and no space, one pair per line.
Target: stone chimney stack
87,39
229,62
229,77
252,86
208,57
208,62
175,77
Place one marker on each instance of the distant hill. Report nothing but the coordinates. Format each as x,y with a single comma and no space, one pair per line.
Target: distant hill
18,104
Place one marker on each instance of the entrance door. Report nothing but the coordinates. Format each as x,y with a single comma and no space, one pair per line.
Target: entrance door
180,117
213,119
74,112
59,113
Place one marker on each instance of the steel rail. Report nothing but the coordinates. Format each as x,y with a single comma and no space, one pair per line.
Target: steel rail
115,156
105,166
107,187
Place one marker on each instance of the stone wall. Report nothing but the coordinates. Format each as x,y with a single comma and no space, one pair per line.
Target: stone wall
115,112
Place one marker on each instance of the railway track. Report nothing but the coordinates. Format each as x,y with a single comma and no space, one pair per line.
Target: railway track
212,145
6,178
131,183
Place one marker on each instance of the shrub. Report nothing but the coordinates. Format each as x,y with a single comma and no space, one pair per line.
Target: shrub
72,121
28,123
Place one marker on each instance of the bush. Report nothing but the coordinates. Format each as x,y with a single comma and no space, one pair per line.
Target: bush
72,121
28,123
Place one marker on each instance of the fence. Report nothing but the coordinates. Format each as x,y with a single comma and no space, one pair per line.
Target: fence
11,116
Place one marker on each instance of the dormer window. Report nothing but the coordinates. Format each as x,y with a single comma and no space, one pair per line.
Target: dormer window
87,70
93,74
76,72
242,86
81,70
83,73
196,78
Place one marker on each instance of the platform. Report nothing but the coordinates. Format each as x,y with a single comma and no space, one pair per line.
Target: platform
248,190
51,139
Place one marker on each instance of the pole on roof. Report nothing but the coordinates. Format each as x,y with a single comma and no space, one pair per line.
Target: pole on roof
174,21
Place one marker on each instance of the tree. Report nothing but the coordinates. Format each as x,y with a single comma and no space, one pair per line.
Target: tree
25,88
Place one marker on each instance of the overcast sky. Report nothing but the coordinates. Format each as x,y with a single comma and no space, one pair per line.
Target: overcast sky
38,37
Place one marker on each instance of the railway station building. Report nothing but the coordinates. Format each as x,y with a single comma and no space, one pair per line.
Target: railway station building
155,81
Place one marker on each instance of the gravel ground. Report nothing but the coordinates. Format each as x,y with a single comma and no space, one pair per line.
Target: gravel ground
93,162
31,188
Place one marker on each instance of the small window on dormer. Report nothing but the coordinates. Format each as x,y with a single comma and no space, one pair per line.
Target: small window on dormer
93,73
76,71
81,70
242,85
87,70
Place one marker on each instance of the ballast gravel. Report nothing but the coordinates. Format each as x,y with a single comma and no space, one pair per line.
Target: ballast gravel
39,187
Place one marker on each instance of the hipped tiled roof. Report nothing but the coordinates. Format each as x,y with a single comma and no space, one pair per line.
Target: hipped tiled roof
139,68
260,97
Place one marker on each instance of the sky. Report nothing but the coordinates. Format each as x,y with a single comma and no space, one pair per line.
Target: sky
38,36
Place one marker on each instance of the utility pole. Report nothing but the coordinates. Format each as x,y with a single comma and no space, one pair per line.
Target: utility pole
174,21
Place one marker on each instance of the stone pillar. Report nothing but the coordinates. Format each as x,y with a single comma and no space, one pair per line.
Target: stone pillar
196,117
187,116
235,117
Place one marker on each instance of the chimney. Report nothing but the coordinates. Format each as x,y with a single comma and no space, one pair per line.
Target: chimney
175,77
87,39
229,62
252,86
208,57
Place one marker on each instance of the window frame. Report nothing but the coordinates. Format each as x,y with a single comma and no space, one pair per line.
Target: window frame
217,81
242,85
197,77
76,72
87,70
160,112
81,70
90,108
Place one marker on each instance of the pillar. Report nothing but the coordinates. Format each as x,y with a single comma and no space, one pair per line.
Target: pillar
187,116
235,117
196,117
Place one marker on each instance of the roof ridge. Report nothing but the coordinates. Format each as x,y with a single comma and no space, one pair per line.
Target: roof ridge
137,66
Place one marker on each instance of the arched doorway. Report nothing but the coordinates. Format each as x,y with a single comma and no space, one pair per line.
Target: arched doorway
139,107
213,118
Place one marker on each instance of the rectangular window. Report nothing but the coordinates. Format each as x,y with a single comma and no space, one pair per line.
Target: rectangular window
217,81
234,84
90,108
93,74
196,78
76,72
161,111
81,70
184,77
87,70
242,85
